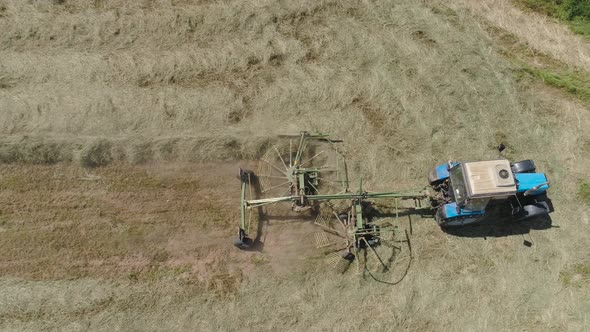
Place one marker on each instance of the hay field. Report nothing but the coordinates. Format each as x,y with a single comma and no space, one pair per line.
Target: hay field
122,124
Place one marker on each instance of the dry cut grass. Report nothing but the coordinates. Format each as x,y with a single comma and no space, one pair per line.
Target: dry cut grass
140,81
540,32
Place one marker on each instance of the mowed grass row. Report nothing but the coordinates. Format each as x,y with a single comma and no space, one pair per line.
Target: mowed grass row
403,84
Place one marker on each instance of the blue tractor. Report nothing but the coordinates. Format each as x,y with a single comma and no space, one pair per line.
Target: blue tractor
463,190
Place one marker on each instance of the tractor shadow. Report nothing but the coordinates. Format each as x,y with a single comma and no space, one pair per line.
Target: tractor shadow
500,223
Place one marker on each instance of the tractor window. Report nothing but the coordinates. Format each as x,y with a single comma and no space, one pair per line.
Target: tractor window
477,204
458,184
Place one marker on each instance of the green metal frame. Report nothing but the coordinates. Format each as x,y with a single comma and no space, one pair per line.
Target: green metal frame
352,196
357,197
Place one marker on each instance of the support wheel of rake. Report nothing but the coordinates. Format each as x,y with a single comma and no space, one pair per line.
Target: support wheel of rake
250,215
243,242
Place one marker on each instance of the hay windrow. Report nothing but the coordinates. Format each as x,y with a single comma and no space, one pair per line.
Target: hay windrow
102,151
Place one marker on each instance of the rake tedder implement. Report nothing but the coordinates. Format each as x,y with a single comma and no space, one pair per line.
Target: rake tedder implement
309,172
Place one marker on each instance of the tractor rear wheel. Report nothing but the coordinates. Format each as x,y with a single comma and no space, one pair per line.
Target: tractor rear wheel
455,222
535,206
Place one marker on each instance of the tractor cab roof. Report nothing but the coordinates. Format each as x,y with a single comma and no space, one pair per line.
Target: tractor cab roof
490,178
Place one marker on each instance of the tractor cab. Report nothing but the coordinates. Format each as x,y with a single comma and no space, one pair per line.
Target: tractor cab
464,190
475,183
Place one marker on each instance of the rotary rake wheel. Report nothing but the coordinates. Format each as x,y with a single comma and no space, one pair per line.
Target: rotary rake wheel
336,237
309,164
380,249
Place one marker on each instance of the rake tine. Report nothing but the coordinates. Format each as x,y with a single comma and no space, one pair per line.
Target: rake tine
273,187
273,166
310,159
290,153
280,157
331,231
274,177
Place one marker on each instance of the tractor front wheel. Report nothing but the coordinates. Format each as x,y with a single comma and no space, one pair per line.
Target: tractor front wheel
523,166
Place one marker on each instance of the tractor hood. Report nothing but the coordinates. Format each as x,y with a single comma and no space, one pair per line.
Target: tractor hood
490,178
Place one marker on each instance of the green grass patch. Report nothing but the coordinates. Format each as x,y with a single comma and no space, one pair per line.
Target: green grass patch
570,81
537,65
548,7
575,13
584,191
581,27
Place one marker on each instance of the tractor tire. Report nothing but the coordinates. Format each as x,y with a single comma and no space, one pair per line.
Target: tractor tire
455,222
458,222
533,210
535,206
523,166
